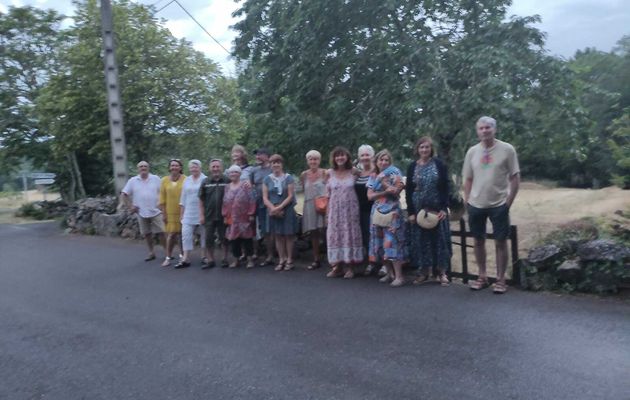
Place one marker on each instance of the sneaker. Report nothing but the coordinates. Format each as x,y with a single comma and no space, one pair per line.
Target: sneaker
382,271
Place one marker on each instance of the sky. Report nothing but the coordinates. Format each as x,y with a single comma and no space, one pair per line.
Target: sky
570,25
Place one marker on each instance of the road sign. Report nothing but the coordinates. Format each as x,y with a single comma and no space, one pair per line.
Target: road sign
42,175
44,181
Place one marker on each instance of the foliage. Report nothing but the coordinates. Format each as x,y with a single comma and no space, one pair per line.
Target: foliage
31,210
176,102
619,144
385,72
28,39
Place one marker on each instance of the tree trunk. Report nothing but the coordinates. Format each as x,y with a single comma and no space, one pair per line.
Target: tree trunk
77,175
71,192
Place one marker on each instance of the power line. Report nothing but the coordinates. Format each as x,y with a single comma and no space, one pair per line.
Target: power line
193,18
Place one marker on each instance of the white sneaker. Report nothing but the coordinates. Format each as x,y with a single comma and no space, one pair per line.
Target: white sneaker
382,271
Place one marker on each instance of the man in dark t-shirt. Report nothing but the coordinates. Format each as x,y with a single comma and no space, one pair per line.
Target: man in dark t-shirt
211,194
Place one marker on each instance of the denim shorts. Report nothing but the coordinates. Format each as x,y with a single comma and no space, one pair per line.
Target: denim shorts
499,217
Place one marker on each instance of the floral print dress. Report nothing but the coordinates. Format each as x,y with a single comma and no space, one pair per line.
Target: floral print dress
343,235
239,204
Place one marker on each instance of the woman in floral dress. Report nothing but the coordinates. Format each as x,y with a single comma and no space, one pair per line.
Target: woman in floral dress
428,188
343,236
387,243
239,210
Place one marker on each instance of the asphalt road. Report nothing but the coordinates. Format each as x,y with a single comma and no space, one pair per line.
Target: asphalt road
85,318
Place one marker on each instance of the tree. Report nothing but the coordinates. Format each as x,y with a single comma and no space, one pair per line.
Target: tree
321,73
173,98
29,39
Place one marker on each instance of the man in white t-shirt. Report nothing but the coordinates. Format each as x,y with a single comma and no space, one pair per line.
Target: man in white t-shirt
491,180
141,195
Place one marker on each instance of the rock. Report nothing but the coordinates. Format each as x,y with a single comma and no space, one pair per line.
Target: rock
543,255
106,224
570,271
603,250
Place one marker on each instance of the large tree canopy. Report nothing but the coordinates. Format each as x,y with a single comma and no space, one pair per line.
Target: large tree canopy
383,72
176,102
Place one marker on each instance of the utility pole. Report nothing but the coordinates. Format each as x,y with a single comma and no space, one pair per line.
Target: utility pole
116,131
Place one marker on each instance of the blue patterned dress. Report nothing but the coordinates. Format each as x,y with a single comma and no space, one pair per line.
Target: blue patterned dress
429,247
387,243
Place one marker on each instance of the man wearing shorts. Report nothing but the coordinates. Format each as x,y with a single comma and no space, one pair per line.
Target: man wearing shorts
144,191
491,180
211,194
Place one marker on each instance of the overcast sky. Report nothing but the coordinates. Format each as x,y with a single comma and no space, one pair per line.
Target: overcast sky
570,24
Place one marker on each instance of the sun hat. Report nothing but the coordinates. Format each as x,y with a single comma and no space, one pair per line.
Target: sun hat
427,219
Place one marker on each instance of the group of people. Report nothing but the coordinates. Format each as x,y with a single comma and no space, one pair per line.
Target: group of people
356,209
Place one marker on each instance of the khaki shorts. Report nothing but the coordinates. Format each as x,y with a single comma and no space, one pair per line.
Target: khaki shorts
150,225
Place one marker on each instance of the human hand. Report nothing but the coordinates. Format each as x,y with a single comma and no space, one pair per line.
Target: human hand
412,218
202,220
441,215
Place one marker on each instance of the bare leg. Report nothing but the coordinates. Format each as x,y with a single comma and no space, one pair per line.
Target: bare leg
480,257
269,241
149,239
502,259
315,244
289,240
280,248
162,238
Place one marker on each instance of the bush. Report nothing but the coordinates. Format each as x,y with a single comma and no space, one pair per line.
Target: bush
31,210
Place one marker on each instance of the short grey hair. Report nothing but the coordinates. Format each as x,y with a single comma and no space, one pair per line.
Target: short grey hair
366,147
194,162
313,153
487,120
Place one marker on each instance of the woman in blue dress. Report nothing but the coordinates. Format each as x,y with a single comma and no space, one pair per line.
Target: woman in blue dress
279,198
427,188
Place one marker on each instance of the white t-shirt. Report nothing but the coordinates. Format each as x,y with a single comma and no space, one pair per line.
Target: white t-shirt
190,199
490,170
145,194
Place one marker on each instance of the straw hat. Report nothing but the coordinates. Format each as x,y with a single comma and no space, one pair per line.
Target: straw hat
427,219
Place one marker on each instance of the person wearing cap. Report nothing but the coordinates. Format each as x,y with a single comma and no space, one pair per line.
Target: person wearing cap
239,213
170,192
387,237
427,194
491,180
190,215
141,197
211,194
257,176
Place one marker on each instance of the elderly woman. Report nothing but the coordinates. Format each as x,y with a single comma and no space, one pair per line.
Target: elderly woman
428,188
343,236
239,211
190,214
387,232
366,168
239,157
279,198
170,193
313,222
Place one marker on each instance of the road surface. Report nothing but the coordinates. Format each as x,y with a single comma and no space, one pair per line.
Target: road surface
85,318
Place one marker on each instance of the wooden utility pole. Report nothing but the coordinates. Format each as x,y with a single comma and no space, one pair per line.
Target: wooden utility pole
116,131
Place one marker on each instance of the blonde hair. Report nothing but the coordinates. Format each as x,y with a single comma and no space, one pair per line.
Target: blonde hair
241,149
380,155
313,153
366,147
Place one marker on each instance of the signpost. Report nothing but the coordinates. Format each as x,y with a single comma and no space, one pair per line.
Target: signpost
42,175
45,181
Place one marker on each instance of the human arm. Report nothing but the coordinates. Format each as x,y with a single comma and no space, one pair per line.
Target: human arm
515,182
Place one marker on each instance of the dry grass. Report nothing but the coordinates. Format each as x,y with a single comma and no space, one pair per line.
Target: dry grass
10,203
539,209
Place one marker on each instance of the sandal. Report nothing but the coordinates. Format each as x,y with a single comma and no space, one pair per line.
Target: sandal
422,278
288,266
397,282
150,257
444,280
349,274
250,264
167,261
479,284
279,267
267,262
499,288
335,272
314,265
368,270
386,279
234,264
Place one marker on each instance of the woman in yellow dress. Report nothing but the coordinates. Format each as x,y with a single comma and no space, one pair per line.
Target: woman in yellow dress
170,192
